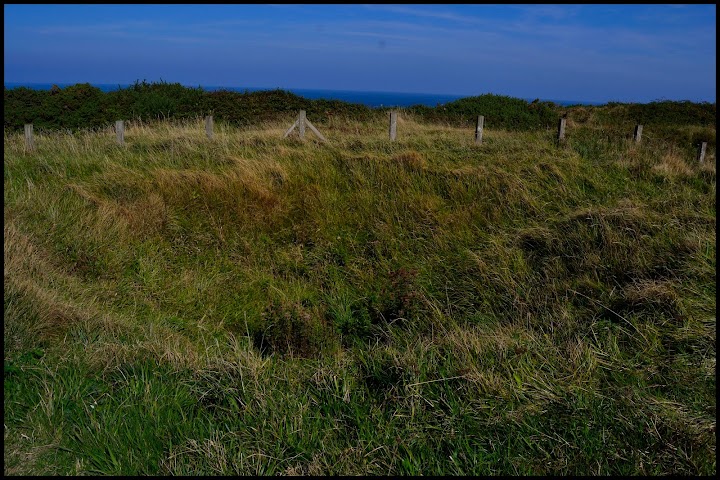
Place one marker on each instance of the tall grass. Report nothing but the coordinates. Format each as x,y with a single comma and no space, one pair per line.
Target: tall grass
258,305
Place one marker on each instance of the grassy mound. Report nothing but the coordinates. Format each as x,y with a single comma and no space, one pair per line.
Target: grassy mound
257,305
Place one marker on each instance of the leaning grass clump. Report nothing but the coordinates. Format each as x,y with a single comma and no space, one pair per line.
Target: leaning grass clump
258,305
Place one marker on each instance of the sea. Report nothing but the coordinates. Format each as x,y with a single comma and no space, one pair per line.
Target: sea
370,99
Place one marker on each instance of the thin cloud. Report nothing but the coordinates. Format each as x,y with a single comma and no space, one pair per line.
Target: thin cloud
112,28
384,35
427,13
158,31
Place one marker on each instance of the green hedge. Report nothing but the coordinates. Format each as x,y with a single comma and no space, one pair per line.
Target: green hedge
84,106
499,112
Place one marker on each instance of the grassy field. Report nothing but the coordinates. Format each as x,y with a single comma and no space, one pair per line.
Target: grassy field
256,305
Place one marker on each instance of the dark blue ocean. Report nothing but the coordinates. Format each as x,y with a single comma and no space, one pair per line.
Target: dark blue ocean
371,99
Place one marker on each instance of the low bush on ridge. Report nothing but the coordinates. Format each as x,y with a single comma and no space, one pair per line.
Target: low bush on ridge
84,106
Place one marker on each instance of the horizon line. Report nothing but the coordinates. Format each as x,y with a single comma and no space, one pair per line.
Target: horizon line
291,89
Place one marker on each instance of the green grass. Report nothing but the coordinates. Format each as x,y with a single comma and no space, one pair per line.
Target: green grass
260,305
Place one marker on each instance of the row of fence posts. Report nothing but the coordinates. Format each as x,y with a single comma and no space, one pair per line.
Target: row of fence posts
301,122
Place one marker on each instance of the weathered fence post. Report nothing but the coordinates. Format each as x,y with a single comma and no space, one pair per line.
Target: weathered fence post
29,141
393,125
638,133
301,123
561,130
209,126
479,129
701,152
120,132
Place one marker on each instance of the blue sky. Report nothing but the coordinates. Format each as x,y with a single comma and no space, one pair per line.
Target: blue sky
632,53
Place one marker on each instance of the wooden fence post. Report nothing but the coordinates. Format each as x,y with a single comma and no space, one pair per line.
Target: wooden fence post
209,126
120,132
393,125
29,141
701,152
638,133
301,123
561,130
479,129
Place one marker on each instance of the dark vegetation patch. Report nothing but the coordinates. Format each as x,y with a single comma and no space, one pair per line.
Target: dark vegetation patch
83,106
291,328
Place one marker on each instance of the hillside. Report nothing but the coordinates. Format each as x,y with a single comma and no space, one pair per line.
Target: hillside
258,305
